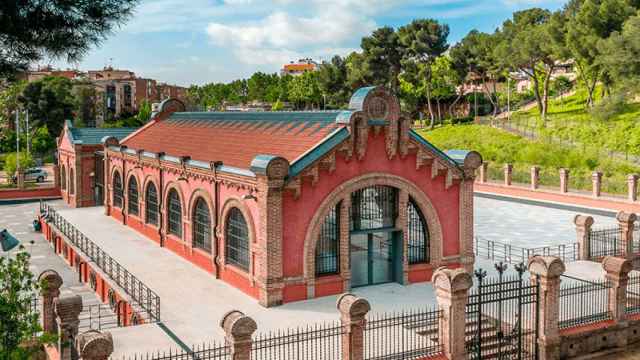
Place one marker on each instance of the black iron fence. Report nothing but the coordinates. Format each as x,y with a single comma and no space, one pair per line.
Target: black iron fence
146,301
633,295
502,316
404,335
503,251
605,242
583,302
92,317
211,351
322,342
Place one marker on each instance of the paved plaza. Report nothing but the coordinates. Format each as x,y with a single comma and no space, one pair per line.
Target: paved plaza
193,302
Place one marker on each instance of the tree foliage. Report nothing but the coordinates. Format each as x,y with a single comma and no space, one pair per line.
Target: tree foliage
49,102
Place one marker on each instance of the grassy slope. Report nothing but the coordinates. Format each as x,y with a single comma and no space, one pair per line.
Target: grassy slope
499,147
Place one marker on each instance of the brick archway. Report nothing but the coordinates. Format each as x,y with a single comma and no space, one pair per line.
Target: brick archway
222,232
344,190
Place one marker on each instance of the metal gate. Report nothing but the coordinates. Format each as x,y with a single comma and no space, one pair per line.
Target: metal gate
502,316
99,179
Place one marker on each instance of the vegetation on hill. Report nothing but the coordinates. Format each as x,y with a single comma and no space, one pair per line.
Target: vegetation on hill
499,147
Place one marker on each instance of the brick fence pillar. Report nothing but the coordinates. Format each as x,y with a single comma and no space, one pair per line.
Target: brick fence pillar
632,187
508,174
238,330
56,175
545,271
564,180
67,310
94,345
452,293
583,230
484,169
353,312
596,181
50,283
626,222
535,177
618,275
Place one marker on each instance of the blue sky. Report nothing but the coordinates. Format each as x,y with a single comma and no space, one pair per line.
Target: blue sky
199,41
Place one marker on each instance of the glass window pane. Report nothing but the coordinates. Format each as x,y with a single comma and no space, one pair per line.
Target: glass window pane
175,214
327,246
202,226
133,196
374,207
237,239
418,249
151,208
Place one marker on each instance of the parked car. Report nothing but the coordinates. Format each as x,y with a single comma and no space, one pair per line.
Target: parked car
33,174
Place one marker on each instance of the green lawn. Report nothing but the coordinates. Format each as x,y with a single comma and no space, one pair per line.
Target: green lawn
499,147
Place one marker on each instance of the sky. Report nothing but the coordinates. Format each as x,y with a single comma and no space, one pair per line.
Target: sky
188,42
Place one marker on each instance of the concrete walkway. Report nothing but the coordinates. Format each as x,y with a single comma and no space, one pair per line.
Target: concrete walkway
193,301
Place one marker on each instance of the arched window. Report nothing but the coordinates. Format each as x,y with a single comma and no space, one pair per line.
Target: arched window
151,205
201,226
72,184
328,245
63,178
132,192
374,207
418,250
174,214
117,190
237,239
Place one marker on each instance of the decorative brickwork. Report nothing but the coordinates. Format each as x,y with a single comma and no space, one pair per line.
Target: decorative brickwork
618,270
535,177
626,222
238,330
94,345
632,187
51,283
564,180
508,174
67,310
452,293
596,181
353,312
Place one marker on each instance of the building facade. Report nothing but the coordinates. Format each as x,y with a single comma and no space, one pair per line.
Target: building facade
288,206
80,163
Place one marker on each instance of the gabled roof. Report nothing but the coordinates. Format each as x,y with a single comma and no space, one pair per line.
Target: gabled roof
94,136
235,138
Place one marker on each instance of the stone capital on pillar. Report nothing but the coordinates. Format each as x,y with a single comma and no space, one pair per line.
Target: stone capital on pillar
564,180
545,272
484,168
535,177
94,345
238,329
596,181
583,230
618,270
626,222
508,174
452,294
50,283
353,312
67,309
632,187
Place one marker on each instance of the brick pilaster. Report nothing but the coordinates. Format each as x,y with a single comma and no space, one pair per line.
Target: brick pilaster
401,223
618,275
452,294
50,283
508,174
56,175
94,345
564,180
484,169
545,272
632,187
535,177
583,230
467,255
344,221
67,310
238,329
626,222
353,311
596,181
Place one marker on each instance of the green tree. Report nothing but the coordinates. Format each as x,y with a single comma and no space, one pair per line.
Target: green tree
49,102
332,80
444,80
621,54
84,103
304,91
33,29
18,323
382,56
42,142
9,103
358,74
144,113
11,163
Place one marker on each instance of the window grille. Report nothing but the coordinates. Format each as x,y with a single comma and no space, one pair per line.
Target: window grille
418,249
72,186
151,206
374,207
132,191
174,214
237,239
328,245
202,226
117,190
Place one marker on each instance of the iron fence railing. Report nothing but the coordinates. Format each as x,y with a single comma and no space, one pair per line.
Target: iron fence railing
92,317
502,251
605,242
404,335
322,342
583,302
145,300
198,352
633,295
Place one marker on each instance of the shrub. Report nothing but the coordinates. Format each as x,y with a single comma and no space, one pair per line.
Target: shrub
10,163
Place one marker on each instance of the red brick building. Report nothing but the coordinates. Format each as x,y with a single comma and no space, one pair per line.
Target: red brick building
79,151
288,206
